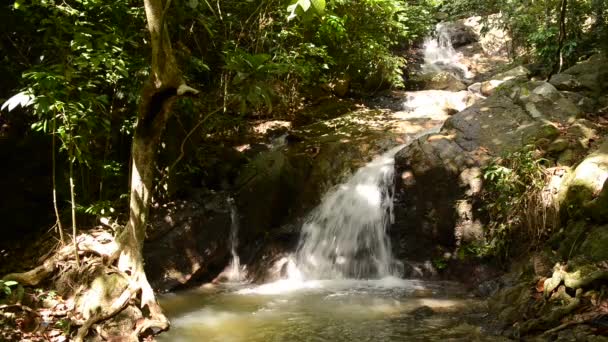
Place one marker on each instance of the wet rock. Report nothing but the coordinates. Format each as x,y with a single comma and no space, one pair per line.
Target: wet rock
427,186
444,81
489,287
199,229
267,189
422,312
419,270
510,303
460,34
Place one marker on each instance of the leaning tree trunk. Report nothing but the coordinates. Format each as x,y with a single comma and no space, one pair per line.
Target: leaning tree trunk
162,88
164,85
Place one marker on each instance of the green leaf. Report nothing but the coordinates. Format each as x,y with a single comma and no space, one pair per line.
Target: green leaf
22,99
319,6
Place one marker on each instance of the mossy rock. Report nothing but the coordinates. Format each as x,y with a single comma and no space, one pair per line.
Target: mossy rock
569,239
583,195
595,246
510,303
599,206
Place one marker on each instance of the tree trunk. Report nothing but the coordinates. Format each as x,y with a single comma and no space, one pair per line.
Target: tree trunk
162,88
559,57
164,85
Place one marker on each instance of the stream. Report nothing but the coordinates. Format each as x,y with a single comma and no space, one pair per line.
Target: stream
388,309
342,283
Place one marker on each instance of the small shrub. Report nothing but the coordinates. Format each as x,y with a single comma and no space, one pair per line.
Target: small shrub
517,211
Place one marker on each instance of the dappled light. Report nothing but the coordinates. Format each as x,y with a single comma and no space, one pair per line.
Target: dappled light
312,170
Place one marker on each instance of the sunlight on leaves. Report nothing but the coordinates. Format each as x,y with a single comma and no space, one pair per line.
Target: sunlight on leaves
22,99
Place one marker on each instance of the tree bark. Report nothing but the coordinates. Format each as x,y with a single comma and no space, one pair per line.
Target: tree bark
559,57
158,94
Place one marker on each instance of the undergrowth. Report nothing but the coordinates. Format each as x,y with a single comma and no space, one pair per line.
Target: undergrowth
519,211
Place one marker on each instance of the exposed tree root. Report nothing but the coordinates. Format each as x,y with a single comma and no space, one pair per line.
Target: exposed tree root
116,307
573,280
8,307
554,316
100,251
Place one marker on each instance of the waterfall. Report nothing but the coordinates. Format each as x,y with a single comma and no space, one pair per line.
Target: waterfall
345,236
234,273
440,55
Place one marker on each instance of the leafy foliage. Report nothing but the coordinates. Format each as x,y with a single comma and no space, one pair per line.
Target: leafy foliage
534,25
74,69
6,287
513,202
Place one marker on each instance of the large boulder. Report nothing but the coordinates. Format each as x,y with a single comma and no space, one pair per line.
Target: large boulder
199,228
590,75
460,34
428,183
585,193
496,124
438,177
515,75
494,40
444,80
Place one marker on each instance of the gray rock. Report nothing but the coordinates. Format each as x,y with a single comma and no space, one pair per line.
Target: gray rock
199,229
565,82
558,145
460,33
583,132
547,90
444,81
566,158
497,124
592,74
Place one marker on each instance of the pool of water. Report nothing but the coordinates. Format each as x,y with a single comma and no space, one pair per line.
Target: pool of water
389,309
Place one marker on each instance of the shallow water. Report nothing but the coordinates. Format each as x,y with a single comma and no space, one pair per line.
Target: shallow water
332,310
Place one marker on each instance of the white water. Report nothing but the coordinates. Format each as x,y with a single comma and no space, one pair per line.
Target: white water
345,236
440,55
434,104
234,272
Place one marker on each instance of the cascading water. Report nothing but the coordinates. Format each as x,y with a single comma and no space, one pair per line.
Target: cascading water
345,236
440,55
234,272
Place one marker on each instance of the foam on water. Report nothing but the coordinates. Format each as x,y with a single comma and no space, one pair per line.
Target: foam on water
440,55
345,236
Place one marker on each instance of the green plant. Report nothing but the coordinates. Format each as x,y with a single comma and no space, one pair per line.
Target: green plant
6,286
440,263
513,202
